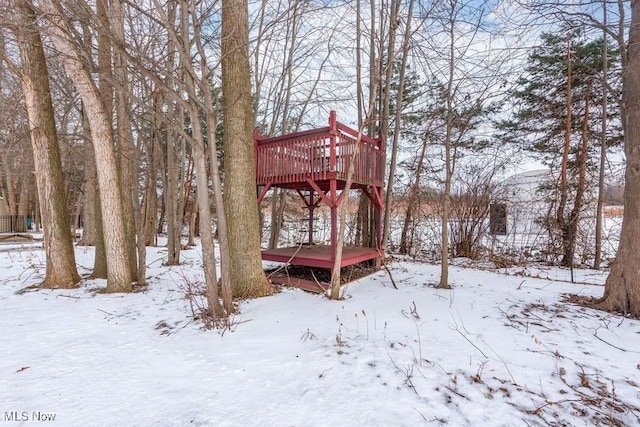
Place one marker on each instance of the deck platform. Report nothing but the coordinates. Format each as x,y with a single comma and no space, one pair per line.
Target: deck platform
320,255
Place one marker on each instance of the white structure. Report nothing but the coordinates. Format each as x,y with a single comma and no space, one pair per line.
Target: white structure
525,201
527,206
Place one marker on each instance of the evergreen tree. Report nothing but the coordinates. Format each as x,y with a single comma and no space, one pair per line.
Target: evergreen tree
557,120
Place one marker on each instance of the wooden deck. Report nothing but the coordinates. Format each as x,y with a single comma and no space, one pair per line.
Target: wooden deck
315,163
319,255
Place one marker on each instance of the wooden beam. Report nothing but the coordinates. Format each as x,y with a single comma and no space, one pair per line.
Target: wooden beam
297,282
264,192
378,200
324,197
373,195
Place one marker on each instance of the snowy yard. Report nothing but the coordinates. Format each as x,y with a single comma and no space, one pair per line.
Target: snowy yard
496,350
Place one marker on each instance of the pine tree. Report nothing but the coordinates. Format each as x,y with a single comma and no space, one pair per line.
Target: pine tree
555,120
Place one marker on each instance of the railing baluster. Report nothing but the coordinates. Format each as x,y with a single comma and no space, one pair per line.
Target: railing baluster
316,155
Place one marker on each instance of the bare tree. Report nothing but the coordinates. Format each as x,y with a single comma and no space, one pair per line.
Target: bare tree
204,208
16,158
336,272
603,143
622,288
248,278
125,145
397,122
105,87
119,277
60,260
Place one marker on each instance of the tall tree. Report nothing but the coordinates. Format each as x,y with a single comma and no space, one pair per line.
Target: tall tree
119,278
622,288
248,277
562,78
603,144
398,105
611,17
125,145
93,211
61,269
199,154
175,149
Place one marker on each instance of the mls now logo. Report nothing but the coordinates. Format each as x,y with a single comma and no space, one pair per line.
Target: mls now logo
15,416
20,416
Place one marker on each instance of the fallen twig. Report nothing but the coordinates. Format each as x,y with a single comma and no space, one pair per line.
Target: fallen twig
393,282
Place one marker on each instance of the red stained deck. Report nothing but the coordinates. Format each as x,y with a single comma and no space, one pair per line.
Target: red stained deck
315,163
319,255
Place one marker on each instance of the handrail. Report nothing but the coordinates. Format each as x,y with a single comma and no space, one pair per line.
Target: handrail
262,140
364,138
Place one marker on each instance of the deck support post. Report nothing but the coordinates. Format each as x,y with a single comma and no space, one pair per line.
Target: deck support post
377,202
333,187
262,193
378,219
334,218
312,206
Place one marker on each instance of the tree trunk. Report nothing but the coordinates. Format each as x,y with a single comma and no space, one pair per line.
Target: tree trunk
95,210
206,234
150,213
61,269
567,259
118,273
622,288
125,147
597,259
172,191
174,164
446,196
574,218
12,199
89,194
225,275
211,118
23,201
397,120
338,235
241,209
412,202
100,261
360,101
105,87
277,214
193,216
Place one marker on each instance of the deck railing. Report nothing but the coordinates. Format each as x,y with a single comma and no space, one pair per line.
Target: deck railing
319,154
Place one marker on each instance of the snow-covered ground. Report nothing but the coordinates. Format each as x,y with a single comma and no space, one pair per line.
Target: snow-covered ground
496,350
